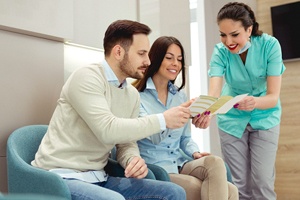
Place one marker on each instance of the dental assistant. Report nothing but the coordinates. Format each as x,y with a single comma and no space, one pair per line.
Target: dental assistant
250,62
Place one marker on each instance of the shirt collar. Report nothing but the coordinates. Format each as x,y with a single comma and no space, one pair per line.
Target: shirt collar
173,89
111,77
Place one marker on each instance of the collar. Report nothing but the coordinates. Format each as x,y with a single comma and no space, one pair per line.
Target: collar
111,77
173,89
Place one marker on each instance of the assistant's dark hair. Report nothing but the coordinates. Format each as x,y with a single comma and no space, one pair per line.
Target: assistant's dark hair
157,53
240,12
121,32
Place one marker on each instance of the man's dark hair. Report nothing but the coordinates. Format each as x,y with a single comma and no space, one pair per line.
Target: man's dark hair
121,32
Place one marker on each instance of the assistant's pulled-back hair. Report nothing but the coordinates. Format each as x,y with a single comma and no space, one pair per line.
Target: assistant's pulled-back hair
240,12
157,53
121,32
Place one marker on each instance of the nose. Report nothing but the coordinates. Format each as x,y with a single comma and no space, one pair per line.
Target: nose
147,62
228,41
175,62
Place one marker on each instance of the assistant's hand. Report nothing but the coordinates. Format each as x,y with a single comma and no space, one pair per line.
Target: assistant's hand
176,117
137,168
201,121
197,155
247,103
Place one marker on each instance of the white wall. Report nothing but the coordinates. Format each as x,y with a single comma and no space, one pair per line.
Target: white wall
34,57
31,76
52,19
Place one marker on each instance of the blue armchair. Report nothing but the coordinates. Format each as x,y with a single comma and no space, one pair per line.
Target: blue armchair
23,178
113,168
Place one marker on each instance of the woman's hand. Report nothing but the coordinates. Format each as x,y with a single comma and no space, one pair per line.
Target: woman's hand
197,155
248,103
201,121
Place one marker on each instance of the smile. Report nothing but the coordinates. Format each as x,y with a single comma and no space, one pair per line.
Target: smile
232,47
172,70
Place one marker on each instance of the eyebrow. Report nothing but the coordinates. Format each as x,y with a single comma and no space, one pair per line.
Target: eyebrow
173,54
142,51
233,32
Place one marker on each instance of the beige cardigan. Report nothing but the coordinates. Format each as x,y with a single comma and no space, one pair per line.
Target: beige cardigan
90,118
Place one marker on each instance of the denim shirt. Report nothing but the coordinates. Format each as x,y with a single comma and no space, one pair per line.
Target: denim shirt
163,148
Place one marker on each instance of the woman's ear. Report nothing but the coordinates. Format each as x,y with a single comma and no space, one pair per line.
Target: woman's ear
249,30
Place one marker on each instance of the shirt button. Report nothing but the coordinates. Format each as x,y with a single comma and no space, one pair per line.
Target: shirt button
168,146
171,152
169,135
174,162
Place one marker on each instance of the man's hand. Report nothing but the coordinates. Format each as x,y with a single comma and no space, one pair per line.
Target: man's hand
176,117
136,168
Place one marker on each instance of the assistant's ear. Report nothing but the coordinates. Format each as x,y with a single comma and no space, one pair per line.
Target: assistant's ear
249,30
118,52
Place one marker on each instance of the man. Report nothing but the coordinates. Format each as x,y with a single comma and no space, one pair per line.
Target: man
97,110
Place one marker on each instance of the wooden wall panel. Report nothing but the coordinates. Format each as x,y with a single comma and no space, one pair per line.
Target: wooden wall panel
288,156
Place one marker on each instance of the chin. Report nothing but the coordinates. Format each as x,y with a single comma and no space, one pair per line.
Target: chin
139,76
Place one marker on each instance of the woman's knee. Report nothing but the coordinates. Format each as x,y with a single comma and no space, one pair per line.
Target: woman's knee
233,193
215,163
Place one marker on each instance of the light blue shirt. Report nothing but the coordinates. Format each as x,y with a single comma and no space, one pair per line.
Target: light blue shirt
163,148
111,77
263,59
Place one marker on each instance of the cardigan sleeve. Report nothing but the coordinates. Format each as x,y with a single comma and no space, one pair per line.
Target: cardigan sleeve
86,93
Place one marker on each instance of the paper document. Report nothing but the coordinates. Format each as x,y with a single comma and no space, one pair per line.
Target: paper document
215,105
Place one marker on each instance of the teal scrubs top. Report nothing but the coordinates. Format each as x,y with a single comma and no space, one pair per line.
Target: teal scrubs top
263,59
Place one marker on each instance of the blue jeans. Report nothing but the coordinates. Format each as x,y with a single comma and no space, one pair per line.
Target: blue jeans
116,188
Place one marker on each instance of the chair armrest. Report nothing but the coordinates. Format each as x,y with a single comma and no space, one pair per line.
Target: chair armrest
113,168
159,172
228,173
29,179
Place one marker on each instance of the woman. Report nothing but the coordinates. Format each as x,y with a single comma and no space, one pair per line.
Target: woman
251,62
204,177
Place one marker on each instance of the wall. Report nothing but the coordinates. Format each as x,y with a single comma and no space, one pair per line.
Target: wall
35,60
32,36
288,157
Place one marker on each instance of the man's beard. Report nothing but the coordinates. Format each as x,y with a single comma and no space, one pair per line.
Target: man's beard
127,69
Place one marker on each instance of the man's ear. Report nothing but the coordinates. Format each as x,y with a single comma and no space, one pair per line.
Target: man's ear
118,52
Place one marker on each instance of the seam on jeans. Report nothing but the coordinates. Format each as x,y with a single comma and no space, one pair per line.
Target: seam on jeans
147,197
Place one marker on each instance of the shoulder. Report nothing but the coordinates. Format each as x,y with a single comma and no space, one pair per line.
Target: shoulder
220,52
90,70
265,40
182,94
220,47
132,90
86,78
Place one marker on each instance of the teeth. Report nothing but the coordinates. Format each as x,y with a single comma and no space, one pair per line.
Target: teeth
173,70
